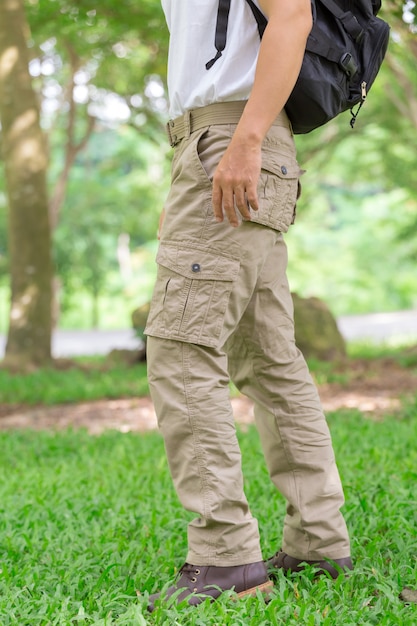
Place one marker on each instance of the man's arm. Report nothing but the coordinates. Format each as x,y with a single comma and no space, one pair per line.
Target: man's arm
280,57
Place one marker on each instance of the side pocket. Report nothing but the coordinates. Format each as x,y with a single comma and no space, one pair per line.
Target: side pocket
211,146
191,294
278,191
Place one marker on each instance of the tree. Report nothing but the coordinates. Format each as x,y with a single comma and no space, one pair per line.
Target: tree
109,51
25,159
114,46
93,59
112,205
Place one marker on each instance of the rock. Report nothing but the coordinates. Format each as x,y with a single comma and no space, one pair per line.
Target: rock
126,357
316,331
139,317
408,595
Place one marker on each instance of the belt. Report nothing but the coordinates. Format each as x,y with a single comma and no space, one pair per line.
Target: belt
213,114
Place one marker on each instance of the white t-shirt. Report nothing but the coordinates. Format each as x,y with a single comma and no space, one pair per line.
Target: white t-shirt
192,26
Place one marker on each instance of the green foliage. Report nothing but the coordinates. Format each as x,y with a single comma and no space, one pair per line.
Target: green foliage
91,380
103,34
354,240
103,58
118,184
121,297
3,239
343,249
87,521
116,189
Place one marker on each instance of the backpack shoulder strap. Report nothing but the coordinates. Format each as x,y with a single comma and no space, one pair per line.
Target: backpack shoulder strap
259,17
323,47
221,30
349,21
221,27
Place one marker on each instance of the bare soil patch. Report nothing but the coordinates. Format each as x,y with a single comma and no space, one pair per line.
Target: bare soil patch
375,387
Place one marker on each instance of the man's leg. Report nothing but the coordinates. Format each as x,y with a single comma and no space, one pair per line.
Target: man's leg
266,365
189,387
200,295
206,276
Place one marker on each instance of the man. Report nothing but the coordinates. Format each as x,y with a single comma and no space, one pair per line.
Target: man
222,307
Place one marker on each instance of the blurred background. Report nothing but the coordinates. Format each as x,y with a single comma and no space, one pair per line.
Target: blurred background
85,170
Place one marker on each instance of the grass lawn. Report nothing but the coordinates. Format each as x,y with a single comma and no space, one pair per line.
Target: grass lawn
94,378
88,378
86,521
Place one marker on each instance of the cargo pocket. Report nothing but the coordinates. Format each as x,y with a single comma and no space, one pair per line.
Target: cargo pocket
277,191
191,294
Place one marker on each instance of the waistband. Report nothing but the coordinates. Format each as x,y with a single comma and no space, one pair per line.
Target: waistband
212,114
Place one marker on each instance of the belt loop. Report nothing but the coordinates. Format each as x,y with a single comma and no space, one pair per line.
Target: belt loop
187,124
172,138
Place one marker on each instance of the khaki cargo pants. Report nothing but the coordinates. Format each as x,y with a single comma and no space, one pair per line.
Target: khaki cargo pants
222,308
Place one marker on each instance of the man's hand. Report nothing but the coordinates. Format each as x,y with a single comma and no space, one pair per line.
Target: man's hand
280,57
235,181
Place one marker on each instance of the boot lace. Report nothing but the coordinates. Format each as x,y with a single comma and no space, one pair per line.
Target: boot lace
190,571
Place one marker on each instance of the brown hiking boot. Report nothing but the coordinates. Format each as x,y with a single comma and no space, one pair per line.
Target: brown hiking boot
196,583
281,560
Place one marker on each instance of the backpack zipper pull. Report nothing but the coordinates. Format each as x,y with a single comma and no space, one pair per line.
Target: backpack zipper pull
363,90
363,98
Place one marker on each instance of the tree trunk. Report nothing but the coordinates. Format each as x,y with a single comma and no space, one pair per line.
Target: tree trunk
25,157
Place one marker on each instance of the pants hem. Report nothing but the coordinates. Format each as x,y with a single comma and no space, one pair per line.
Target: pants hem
224,561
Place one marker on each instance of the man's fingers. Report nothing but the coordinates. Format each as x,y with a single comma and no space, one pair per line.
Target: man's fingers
241,203
228,205
230,209
252,197
228,201
224,205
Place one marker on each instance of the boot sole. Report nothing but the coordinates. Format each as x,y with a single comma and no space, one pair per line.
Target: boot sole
265,589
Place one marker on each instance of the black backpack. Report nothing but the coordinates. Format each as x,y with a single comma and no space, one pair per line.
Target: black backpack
344,52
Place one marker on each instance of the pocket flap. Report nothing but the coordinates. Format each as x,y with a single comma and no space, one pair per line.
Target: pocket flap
280,164
197,264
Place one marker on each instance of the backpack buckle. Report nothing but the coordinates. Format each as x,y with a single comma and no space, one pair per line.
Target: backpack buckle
348,64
